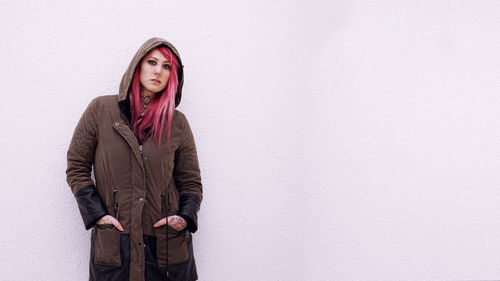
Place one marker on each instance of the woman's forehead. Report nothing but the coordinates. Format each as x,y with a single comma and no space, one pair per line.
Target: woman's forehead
156,54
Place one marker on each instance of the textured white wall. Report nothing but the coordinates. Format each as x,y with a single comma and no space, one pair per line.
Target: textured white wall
338,140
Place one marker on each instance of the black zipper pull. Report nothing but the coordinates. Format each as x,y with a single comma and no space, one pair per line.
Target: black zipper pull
115,204
163,205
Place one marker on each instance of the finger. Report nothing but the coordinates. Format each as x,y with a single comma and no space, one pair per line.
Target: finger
171,221
104,220
161,222
118,225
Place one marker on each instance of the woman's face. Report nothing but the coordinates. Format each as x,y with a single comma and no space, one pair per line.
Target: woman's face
154,72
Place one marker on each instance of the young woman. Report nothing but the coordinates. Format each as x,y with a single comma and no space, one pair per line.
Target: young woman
143,205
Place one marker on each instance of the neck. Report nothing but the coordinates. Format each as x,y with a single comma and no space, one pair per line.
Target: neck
146,93
147,96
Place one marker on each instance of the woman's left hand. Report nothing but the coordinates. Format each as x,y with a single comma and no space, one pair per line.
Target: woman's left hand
175,222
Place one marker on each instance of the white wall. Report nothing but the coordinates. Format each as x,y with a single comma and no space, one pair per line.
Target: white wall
338,140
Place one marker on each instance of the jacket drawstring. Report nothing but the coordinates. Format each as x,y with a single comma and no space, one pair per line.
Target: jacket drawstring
164,211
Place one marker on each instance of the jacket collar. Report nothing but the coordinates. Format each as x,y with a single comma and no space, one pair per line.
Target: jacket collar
124,106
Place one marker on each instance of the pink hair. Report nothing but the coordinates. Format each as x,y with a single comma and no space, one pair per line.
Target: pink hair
161,105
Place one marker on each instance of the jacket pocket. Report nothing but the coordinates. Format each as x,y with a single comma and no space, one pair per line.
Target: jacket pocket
107,245
173,250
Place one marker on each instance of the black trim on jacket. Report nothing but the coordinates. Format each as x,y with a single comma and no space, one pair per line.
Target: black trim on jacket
189,205
90,204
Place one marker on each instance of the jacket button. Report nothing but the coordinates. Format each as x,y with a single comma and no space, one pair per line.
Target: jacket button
117,124
141,199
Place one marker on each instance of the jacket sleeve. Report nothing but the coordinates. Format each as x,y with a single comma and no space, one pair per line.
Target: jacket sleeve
187,179
80,159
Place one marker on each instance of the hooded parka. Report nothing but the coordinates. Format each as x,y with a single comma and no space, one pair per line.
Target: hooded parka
138,183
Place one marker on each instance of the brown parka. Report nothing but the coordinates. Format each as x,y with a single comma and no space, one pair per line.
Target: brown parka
137,183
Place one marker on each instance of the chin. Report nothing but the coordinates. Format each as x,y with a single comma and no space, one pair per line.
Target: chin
156,89
160,90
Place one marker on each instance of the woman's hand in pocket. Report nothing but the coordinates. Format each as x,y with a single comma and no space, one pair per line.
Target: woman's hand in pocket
107,219
175,222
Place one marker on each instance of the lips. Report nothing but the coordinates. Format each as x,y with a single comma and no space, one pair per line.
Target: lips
155,81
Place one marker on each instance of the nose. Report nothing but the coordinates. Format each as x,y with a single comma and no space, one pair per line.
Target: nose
157,71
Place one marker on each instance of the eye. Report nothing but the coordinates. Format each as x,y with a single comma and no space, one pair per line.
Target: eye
166,66
152,62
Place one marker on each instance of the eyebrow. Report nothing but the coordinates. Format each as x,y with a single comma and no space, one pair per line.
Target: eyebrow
158,59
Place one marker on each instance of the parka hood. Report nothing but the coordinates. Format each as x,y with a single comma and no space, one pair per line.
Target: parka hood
143,50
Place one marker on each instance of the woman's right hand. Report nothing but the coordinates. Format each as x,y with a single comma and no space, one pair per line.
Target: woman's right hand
107,219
